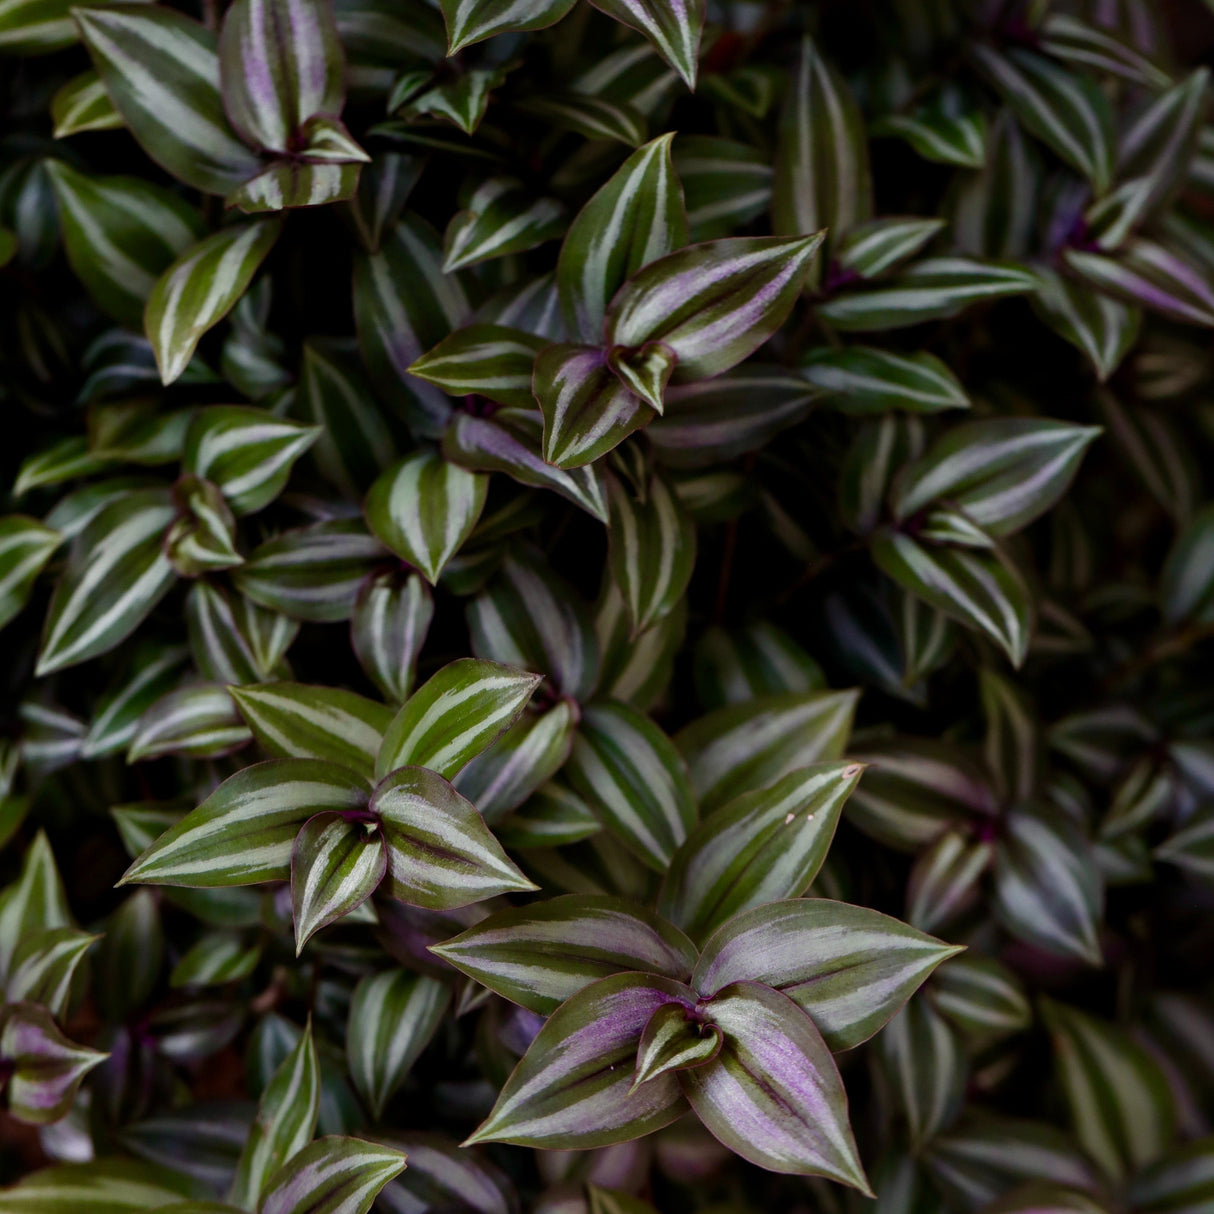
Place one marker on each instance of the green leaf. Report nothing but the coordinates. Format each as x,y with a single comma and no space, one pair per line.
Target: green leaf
161,70
593,117
441,855
232,639
982,590
285,1122
25,547
493,361
773,1095
946,131
503,217
82,104
1186,588
116,573
393,1016
733,667
763,846
200,288
202,538
424,508
935,288
215,959
294,720
281,63
1181,1181
47,1068
247,453
674,1041
1102,328
197,722
884,244
1048,888
1191,848
103,1186
470,21
822,174
651,547
573,1088
541,955
313,573
511,443
943,882
332,1175
243,832
674,28
727,184
863,379
1003,472
336,865
1068,37
637,217
35,902
633,777
849,967
43,965
713,304
981,997
553,816
746,746
391,617
154,670
120,235
1121,1105
1066,112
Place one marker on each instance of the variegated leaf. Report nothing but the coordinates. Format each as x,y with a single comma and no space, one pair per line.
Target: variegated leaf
391,617
674,27
25,547
341,1175
196,722
82,104
503,216
493,361
470,21
864,379
46,1069
336,864
1102,328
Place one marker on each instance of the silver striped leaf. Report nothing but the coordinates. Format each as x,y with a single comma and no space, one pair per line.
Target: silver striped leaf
232,639
489,360
470,21
944,880
593,117
336,865
673,27
388,628
635,669
552,817
1103,329
195,722
859,380
332,1173
25,547
982,997
735,666
153,671
82,104
502,217
880,245
727,184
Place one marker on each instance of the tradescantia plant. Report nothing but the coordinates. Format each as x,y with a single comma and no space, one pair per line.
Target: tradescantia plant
608,607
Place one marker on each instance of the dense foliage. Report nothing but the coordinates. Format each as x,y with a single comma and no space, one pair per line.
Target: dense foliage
607,607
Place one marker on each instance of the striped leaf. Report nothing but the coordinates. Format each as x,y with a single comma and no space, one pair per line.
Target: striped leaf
1067,37
674,27
502,217
82,104
455,715
202,538
116,573
864,379
404,305
538,956
384,187
1068,113
43,965
35,902
933,289
280,63
636,670
773,1095
1182,1181
727,184
46,1069
524,758
232,639
198,722
462,100
35,27
1191,848
637,217
312,573
161,71
822,174
248,453
217,958
1186,587
981,590
995,210
104,1186
733,667
336,865
441,855
651,550
944,880
1155,450
493,361
588,409
880,245
297,721
554,816
332,1175
1104,329
120,234
1144,272
25,547
573,1088
763,846
1048,887
512,443
424,508
946,131
388,628
849,967
528,617
470,21
200,288
1121,1106
674,1042
243,832
593,117
924,1060
393,1016
982,997
632,776
1002,472
747,746
713,304
285,1122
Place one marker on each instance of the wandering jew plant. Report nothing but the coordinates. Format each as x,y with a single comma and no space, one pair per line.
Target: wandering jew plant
608,607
